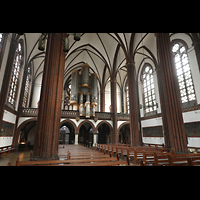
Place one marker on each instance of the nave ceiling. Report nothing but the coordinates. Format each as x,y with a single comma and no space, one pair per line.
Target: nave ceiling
105,53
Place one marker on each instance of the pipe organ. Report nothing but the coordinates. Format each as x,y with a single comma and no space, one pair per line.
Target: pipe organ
83,95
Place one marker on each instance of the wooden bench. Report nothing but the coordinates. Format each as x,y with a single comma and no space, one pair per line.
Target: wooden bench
122,151
139,156
149,156
137,153
177,160
161,159
194,161
70,161
110,163
111,148
6,149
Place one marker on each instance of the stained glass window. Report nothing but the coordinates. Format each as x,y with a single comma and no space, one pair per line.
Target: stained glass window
149,97
15,74
185,81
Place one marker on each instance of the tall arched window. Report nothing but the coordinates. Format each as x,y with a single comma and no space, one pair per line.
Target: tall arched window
185,81
27,87
127,98
17,64
149,97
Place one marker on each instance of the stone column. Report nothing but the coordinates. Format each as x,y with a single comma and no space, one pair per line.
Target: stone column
102,102
49,114
114,109
135,134
196,44
173,124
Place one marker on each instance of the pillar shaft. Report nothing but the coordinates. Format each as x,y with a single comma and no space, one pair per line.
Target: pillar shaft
49,114
173,124
135,135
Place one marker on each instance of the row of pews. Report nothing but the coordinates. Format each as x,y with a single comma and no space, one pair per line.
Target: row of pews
119,154
77,155
151,155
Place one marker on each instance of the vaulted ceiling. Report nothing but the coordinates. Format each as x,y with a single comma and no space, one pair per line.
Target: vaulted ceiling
106,54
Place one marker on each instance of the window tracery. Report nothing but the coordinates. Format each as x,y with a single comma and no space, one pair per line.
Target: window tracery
149,97
27,87
127,99
17,64
185,81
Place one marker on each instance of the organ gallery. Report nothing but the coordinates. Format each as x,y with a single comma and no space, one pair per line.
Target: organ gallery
84,91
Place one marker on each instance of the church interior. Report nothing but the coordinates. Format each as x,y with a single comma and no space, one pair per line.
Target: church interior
100,99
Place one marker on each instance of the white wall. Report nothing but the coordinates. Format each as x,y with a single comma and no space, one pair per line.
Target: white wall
36,91
107,97
8,117
193,116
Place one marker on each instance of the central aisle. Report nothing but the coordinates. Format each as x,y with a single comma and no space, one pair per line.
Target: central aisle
84,156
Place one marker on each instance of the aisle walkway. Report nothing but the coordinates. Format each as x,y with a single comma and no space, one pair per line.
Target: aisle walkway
84,154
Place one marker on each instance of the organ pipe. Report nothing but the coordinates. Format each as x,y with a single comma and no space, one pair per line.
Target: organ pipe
84,91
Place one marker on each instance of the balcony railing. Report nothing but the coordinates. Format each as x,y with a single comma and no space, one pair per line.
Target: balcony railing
33,112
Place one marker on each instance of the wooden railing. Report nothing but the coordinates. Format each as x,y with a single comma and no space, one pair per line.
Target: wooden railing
33,112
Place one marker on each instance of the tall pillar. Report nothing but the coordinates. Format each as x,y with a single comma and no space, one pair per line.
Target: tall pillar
102,102
173,124
49,114
114,109
196,44
135,134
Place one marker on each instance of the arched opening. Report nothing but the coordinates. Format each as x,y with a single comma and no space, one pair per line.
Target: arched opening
27,136
67,134
86,134
124,134
103,134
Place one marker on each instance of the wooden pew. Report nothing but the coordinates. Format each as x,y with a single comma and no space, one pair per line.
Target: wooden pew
180,161
176,159
149,156
184,159
115,147
194,161
161,159
113,163
122,151
137,153
71,161
111,148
